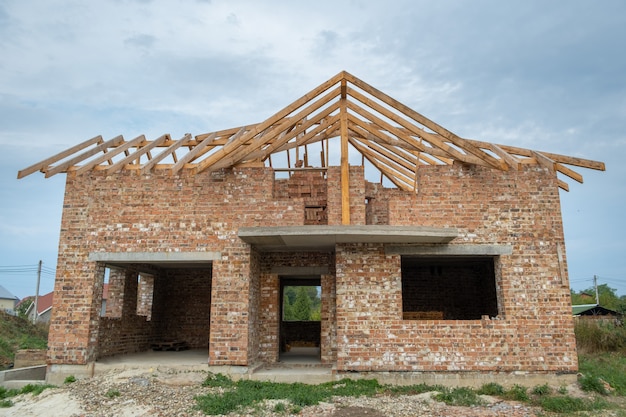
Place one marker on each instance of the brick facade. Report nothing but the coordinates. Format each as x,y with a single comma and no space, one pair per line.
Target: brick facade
232,304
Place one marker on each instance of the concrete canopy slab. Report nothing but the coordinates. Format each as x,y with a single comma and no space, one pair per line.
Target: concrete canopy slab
163,259
324,238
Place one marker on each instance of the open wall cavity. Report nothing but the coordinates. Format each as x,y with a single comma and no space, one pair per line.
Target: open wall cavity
448,288
155,306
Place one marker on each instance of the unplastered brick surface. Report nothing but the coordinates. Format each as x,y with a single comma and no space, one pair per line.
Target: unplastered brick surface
128,212
533,330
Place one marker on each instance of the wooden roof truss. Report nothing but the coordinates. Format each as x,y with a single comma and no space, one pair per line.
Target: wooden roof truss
393,138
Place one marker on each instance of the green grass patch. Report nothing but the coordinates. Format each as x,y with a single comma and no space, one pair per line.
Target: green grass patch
608,366
34,389
112,393
567,404
19,333
245,394
492,389
70,379
462,396
516,393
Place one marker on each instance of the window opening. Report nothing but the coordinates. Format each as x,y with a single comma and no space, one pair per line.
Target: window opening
448,288
145,290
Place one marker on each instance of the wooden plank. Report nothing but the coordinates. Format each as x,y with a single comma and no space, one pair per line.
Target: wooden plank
281,114
147,167
563,185
563,159
42,165
100,148
456,140
387,158
544,161
432,139
195,152
509,159
223,159
394,177
569,172
345,168
407,161
107,156
137,154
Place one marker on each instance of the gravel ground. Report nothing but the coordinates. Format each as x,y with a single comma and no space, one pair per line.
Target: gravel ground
171,393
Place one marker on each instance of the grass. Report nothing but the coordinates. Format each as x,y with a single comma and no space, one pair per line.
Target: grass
34,389
19,333
246,394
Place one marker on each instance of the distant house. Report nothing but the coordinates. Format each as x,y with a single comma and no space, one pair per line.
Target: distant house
44,306
593,310
7,300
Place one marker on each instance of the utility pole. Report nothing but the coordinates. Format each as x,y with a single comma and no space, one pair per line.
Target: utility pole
37,292
595,284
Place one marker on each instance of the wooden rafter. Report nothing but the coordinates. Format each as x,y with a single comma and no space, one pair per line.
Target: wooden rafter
392,137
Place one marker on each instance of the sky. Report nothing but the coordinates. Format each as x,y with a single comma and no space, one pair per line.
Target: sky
545,75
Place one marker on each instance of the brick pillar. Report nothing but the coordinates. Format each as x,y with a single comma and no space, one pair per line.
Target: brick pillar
75,317
328,343
230,305
269,318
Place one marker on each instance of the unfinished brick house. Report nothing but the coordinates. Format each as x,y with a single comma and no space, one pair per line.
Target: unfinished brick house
450,260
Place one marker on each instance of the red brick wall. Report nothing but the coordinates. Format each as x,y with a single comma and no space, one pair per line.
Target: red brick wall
362,324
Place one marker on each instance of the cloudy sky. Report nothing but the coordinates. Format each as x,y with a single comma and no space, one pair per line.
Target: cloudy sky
546,75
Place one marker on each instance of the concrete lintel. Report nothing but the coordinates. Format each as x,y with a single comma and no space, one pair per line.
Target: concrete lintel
300,270
155,257
326,237
452,250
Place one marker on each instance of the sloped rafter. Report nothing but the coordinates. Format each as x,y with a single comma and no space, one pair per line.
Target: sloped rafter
390,135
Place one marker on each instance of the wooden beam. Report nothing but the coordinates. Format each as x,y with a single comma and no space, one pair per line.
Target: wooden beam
107,156
100,148
137,154
509,159
42,165
195,152
544,161
456,140
237,153
224,151
569,172
384,169
165,153
345,168
434,140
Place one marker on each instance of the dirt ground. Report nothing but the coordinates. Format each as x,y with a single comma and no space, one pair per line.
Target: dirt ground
163,392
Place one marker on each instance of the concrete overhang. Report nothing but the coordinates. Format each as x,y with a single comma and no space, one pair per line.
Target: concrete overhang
324,238
161,259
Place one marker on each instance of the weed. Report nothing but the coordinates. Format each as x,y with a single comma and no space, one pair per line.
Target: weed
35,389
517,393
491,388
6,403
610,367
541,390
280,408
112,393
245,393
567,404
461,396
218,380
70,379
562,390
413,389
591,383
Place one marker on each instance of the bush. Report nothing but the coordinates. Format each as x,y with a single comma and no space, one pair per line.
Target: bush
491,389
517,393
597,336
461,396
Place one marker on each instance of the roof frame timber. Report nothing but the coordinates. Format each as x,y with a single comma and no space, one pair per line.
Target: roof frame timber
394,138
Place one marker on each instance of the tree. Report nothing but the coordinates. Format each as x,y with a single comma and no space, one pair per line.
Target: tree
607,295
302,305
24,306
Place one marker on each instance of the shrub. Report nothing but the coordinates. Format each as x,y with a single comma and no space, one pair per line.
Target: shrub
461,396
491,388
70,379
